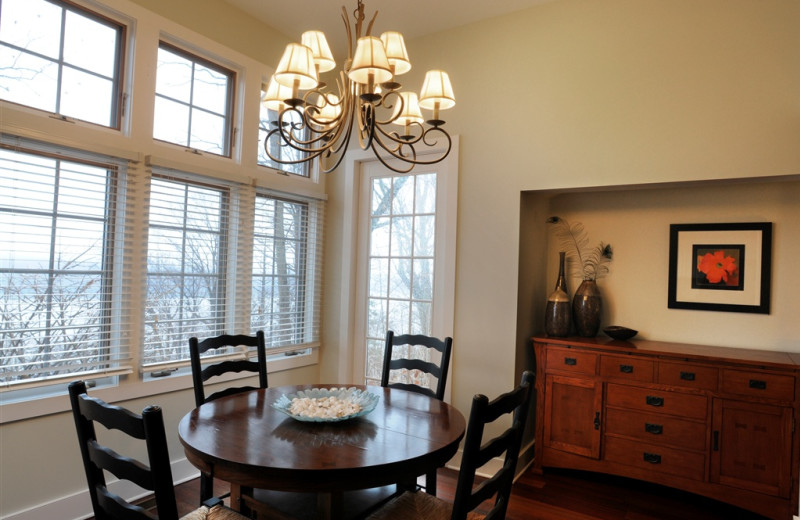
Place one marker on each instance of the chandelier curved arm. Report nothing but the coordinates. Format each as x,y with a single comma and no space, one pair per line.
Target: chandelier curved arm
395,106
405,148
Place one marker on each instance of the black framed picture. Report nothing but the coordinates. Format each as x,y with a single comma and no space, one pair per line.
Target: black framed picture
720,267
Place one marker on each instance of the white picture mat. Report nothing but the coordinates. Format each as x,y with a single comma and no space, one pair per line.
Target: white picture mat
752,241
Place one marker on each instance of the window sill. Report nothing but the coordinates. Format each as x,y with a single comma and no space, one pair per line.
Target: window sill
22,410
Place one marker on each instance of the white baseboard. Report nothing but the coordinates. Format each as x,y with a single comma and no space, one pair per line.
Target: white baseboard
79,506
494,465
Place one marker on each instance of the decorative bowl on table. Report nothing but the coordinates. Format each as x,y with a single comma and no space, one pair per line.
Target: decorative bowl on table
620,333
327,404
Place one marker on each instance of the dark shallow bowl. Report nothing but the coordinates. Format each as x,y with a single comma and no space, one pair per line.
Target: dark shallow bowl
620,333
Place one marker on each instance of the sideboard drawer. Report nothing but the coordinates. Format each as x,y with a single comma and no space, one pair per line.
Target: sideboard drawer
655,458
688,375
755,384
573,361
657,401
627,367
655,428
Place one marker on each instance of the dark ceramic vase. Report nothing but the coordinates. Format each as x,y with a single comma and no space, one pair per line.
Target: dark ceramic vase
557,311
586,306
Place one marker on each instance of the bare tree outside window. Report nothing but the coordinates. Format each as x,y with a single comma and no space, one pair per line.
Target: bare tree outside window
280,270
185,267
401,261
62,59
194,100
55,295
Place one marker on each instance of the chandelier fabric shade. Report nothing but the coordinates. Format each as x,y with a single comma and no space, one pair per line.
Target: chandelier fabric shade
296,68
368,101
329,110
320,50
396,52
437,90
408,112
275,94
370,64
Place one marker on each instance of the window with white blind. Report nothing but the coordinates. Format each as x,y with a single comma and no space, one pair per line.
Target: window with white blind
187,257
287,268
62,300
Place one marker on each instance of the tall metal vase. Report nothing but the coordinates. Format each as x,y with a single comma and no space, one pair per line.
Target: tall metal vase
557,311
586,306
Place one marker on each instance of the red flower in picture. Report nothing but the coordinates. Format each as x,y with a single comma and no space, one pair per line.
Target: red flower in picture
717,267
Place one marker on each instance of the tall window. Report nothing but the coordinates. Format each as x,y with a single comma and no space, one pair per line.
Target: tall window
59,58
276,147
194,100
59,314
286,271
400,261
186,262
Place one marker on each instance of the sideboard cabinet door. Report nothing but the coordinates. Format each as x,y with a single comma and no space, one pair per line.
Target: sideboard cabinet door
752,446
572,408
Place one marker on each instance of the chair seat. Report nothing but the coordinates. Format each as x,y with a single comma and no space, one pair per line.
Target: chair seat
214,513
413,505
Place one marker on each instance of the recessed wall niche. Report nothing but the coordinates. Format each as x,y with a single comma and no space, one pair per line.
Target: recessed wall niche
635,220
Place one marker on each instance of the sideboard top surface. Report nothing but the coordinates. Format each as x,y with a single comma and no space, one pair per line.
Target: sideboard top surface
681,350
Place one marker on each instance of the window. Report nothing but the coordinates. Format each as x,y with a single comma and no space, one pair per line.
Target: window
194,100
277,148
405,265
286,270
59,58
402,226
186,265
60,313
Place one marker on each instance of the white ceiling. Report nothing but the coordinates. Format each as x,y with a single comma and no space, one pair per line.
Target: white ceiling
413,18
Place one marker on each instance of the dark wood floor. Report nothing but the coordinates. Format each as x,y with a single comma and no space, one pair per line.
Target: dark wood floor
570,495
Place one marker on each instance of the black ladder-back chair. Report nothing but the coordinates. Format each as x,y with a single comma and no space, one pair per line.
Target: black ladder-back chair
413,506
201,375
157,477
439,371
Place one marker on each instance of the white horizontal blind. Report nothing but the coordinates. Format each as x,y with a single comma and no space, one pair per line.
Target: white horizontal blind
187,263
63,298
287,269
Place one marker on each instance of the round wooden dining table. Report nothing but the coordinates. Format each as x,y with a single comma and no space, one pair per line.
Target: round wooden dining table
244,440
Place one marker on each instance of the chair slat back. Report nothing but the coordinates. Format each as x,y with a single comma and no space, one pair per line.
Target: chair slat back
439,371
202,374
155,476
477,452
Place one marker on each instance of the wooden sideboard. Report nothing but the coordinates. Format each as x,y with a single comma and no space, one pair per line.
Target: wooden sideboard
715,421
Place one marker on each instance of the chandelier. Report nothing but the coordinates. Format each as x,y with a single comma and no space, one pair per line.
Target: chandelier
315,123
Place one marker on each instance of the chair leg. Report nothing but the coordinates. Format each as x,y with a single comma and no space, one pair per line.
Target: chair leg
430,483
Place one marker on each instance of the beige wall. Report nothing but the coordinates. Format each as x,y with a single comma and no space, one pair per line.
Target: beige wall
582,94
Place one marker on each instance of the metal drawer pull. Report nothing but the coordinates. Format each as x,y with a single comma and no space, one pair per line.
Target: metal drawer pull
626,369
570,361
652,458
687,376
655,429
654,401
597,420
758,385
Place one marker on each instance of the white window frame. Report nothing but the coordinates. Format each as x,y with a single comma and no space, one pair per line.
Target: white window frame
134,143
117,108
352,368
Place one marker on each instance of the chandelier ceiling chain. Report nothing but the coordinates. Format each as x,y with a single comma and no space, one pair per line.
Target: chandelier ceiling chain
314,123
